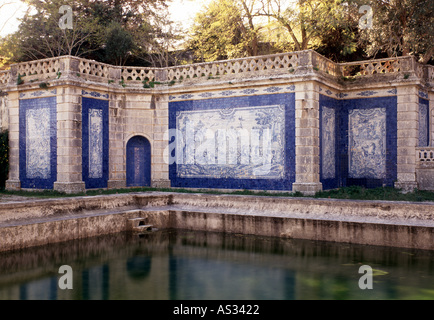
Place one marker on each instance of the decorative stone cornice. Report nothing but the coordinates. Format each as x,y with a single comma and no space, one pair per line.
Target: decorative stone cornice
292,65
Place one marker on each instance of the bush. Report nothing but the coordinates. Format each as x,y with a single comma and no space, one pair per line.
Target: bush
4,158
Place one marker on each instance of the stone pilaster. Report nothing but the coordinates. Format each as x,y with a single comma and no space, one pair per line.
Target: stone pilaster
160,166
431,118
69,152
307,176
4,114
408,136
117,169
13,182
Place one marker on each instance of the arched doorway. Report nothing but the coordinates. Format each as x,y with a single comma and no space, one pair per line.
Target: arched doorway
138,162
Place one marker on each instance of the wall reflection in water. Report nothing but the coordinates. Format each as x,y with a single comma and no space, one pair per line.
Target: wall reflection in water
183,265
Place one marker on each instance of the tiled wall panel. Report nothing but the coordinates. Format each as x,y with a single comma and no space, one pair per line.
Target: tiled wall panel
423,122
368,142
329,110
95,142
236,143
358,141
38,143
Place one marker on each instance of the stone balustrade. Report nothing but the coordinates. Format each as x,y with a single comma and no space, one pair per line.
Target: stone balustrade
38,69
321,63
137,74
430,74
90,69
236,68
250,67
4,77
425,155
379,66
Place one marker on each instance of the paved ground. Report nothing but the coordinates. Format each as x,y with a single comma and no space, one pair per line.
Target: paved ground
12,198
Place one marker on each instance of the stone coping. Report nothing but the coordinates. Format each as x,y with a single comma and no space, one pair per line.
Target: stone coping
320,208
386,223
297,63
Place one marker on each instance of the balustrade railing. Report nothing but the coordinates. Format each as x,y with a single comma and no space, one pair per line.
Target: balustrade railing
430,74
251,66
277,64
93,70
4,77
38,69
372,67
321,63
425,155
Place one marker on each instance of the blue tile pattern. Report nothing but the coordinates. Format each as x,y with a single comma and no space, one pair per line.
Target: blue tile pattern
39,93
365,141
367,93
94,94
423,123
95,142
368,141
328,142
423,94
329,110
235,142
245,142
38,143
234,92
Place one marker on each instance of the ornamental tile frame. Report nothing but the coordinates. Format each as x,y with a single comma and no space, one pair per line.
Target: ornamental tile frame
328,109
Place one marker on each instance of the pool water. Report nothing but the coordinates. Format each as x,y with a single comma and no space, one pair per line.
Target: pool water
190,265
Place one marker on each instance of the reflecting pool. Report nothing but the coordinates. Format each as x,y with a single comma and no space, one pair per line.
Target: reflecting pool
187,265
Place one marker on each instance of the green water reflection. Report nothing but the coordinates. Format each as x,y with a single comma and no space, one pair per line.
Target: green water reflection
184,265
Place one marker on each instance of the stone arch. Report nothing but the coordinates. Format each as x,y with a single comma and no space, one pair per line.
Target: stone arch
138,162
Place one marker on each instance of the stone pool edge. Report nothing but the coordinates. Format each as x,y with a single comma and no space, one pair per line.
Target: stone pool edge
38,222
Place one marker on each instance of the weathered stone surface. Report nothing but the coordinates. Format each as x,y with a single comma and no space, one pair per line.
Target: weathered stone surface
138,111
384,223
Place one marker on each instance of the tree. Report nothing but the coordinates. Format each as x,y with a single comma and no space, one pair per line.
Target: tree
225,29
108,31
307,22
118,44
401,27
236,28
39,35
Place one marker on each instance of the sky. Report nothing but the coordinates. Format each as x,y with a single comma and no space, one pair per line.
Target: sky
182,11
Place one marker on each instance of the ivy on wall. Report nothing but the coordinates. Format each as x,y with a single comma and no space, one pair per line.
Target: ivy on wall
4,158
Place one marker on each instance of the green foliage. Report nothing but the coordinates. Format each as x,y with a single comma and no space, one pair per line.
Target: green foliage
4,158
106,31
351,193
19,80
400,27
44,85
224,30
118,44
384,193
236,28
147,84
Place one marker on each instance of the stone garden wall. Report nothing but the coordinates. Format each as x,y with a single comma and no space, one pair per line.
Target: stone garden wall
295,122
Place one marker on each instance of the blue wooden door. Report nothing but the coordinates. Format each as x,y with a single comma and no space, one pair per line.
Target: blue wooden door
138,162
